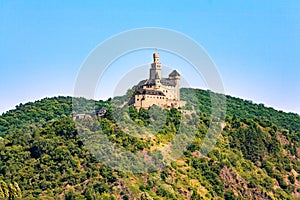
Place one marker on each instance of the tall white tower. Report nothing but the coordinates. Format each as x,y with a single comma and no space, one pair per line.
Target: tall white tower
155,70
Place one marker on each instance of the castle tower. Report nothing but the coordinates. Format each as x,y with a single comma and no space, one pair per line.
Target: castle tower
155,70
175,77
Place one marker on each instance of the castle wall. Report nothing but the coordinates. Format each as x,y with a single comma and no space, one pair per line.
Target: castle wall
171,92
145,101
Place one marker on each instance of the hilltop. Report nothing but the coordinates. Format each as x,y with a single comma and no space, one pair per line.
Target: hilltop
257,155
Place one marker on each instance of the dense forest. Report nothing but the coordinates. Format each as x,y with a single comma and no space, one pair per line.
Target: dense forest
43,154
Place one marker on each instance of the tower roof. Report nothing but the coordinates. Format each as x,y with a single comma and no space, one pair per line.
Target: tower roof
174,73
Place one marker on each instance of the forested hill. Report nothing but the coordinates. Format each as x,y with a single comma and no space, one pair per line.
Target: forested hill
256,157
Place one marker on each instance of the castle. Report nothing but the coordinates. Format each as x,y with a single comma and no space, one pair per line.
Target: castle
163,92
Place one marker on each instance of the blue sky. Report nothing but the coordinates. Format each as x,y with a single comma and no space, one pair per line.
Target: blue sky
254,44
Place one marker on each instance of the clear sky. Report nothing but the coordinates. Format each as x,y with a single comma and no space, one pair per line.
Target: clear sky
254,44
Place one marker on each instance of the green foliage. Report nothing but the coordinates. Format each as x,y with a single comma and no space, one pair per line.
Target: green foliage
10,191
43,157
250,141
229,195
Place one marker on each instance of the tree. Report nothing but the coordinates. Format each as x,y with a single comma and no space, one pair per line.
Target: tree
10,191
229,195
4,191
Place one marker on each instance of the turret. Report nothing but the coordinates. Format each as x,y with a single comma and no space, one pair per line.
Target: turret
174,75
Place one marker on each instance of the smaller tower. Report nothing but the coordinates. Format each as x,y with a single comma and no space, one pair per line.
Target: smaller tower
175,77
155,69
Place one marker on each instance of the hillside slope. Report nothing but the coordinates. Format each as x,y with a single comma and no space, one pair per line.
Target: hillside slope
256,157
